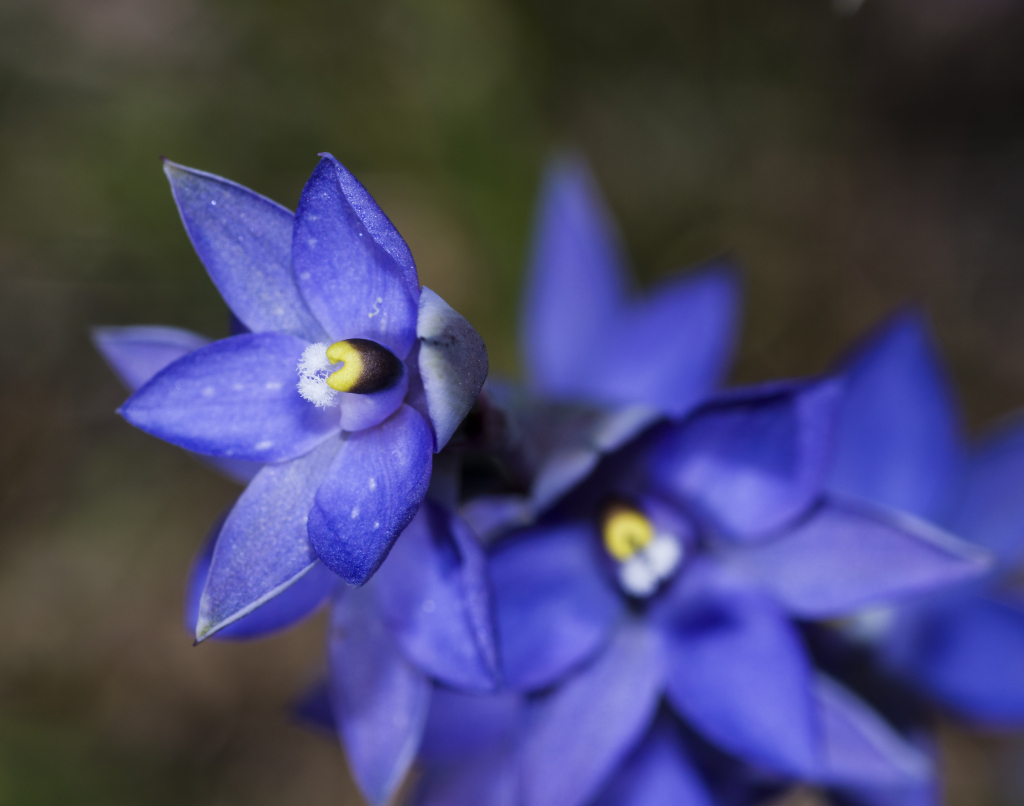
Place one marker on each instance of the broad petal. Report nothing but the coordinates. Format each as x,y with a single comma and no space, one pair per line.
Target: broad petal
862,752
353,286
483,779
301,599
462,724
372,491
452,363
434,595
847,556
554,606
377,223
968,654
137,353
263,548
575,280
991,511
751,461
658,773
898,438
380,700
245,242
737,670
671,347
587,726
235,398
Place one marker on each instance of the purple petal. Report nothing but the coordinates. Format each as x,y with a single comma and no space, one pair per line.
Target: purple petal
137,353
575,280
377,224
371,493
991,510
292,605
967,653
861,750
493,516
898,437
245,242
434,594
263,548
353,286
360,411
452,364
484,779
586,727
737,670
847,556
462,724
380,700
235,398
670,348
659,773
751,461
570,462
554,605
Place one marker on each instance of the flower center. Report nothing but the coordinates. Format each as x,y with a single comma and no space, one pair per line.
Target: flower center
646,557
366,367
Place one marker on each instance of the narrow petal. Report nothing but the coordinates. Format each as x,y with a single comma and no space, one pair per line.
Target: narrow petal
991,511
377,223
581,448
234,398
750,461
585,728
263,547
847,556
861,750
898,438
434,595
482,779
299,600
380,700
370,494
554,606
968,654
738,672
137,353
452,364
658,773
493,516
353,286
245,241
669,348
575,279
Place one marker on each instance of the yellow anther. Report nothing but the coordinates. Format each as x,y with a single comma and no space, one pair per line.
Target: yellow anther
625,531
351,372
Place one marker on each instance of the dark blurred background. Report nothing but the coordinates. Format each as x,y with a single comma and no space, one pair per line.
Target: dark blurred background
853,159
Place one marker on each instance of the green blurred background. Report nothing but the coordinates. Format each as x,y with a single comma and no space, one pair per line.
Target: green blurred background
851,161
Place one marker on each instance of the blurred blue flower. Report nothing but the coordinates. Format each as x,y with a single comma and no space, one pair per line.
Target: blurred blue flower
349,378
676,570
901,445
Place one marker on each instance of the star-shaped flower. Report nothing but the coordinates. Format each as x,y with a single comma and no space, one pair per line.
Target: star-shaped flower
349,378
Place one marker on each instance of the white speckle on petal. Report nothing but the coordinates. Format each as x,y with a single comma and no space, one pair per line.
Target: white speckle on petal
373,483
209,391
376,524
213,202
355,512
376,307
273,386
237,387
311,242
265,444
304,275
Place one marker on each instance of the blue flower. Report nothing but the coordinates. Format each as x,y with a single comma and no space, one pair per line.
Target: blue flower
901,445
349,379
675,572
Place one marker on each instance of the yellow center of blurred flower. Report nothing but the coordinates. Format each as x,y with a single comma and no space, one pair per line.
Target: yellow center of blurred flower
625,531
